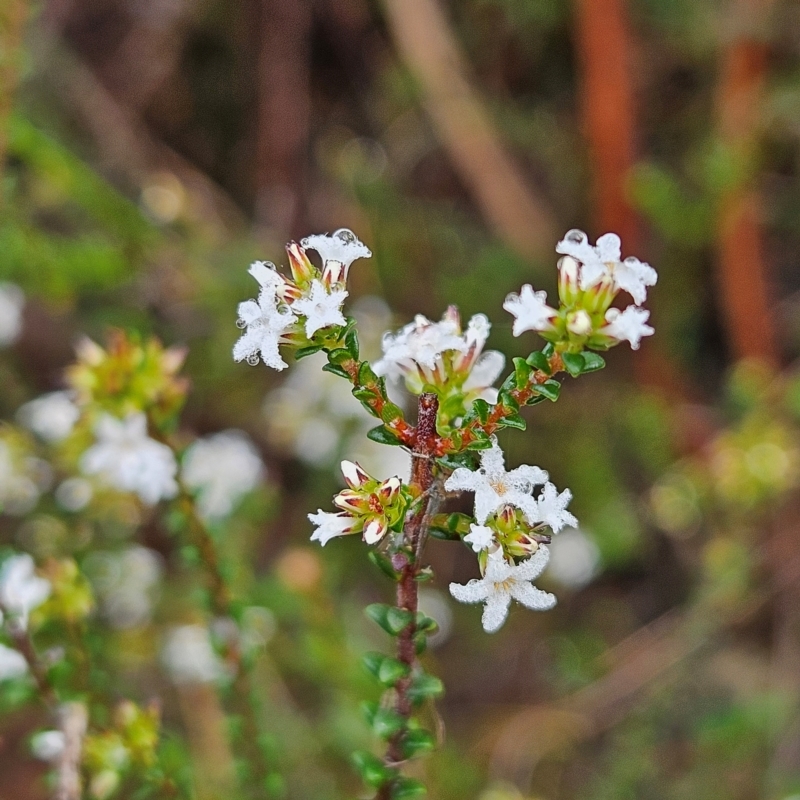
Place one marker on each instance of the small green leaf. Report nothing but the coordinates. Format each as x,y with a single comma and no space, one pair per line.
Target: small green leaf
393,620
383,435
420,643
508,400
391,670
549,389
386,722
416,742
548,350
383,563
539,360
480,444
363,393
335,369
573,362
339,356
407,789
366,375
427,624
592,362
481,410
391,412
372,770
372,662
522,372
303,352
425,574
515,421
351,343
424,686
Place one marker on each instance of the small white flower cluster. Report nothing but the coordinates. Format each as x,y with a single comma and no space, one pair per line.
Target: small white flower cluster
126,458
589,278
496,489
221,469
12,302
292,311
435,353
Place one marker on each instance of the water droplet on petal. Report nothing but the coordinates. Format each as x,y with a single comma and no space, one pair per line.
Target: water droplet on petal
579,237
241,324
346,235
253,360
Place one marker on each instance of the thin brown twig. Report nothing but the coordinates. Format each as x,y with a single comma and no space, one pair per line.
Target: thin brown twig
73,719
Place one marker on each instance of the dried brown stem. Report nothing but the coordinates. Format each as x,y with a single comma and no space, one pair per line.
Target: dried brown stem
73,719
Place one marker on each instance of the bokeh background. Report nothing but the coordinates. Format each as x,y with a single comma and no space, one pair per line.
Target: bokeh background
151,149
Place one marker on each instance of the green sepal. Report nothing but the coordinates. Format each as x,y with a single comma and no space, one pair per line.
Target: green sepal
573,363
372,770
522,372
592,361
382,435
304,352
539,360
339,356
424,686
392,619
407,789
335,369
391,670
385,722
549,389
417,742
384,564
351,343
514,421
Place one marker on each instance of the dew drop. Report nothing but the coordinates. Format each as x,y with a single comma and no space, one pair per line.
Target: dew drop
345,235
576,236
240,323
253,360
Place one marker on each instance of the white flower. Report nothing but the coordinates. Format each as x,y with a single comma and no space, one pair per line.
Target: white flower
486,371
330,525
495,488
551,508
12,664
480,537
48,745
222,469
530,310
338,251
320,307
271,281
579,322
51,416
265,322
189,656
12,301
21,589
126,458
631,275
628,325
420,342
502,582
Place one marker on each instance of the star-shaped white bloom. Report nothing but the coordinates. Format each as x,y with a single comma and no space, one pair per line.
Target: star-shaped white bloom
480,537
628,325
551,508
129,460
21,589
338,251
265,321
502,582
530,310
495,488
320,307
270,280
631,275
330,525
12,664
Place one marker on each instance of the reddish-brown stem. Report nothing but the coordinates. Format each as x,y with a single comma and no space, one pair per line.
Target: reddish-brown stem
422,480
522,396
24,644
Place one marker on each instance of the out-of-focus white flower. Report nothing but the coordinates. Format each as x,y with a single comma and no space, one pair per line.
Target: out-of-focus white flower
12,664
48,745
495,488
628,325
126,584
21,589
574,559
222,468
480,537
604,260
551,508
74,494
19,477
189,656
12,301
530,310
126,458
338,251
502,582
320,307
51,416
